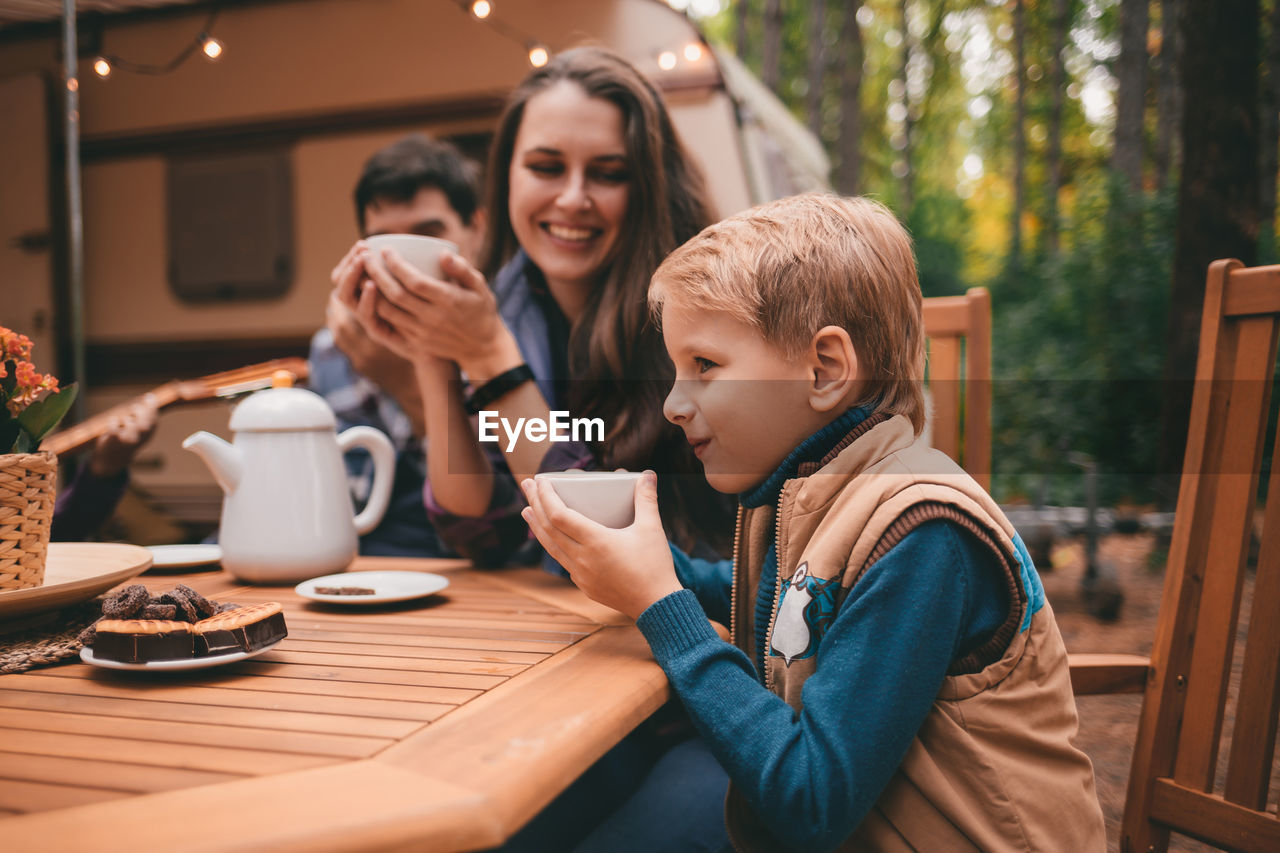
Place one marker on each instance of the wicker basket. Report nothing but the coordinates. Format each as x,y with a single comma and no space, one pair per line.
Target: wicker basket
27,482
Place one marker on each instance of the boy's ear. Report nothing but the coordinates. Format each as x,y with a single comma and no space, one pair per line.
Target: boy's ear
833,365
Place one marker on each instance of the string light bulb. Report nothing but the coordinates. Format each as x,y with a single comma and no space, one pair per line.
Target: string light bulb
481,9
693,51
211,46
538,56
102,67
666,60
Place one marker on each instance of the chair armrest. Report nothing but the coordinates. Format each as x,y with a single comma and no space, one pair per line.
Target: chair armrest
1104,674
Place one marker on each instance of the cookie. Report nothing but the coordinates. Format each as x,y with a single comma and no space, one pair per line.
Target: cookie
244,629
143,640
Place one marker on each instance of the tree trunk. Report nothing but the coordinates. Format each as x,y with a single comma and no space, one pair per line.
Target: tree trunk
1168,92
1131,74
1053,155
849,170
742,12
817,65
1217,190
907,166
1019,133
1269,116
771,45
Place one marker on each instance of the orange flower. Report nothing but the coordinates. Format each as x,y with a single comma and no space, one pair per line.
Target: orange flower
14,345
25,387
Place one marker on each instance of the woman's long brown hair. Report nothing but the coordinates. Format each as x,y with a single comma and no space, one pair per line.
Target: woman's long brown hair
619,367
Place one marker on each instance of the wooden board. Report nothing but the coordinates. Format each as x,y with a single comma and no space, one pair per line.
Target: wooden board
74,571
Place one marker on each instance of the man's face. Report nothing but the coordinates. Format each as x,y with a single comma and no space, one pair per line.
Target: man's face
429,214
741,402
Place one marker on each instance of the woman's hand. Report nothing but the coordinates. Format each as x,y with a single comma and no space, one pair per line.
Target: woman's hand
627,569
455,319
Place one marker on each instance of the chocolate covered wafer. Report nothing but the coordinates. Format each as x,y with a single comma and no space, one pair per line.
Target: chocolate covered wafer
244,629
143,640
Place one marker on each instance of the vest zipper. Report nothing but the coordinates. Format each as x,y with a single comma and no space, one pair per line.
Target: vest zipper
733,578
777,593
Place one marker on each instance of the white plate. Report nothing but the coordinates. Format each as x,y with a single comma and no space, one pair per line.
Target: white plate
386,586
183,556
86,655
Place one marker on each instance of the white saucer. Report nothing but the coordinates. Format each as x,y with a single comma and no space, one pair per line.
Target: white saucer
86,655
386,586
184,556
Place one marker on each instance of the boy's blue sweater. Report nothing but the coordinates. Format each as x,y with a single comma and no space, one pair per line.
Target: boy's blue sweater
812,777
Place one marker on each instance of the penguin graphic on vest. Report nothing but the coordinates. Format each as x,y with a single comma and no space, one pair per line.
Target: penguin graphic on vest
807,610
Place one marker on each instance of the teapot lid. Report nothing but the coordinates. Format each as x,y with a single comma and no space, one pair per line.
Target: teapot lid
282,409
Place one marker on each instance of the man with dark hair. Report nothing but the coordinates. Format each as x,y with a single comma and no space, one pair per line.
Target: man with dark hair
413,186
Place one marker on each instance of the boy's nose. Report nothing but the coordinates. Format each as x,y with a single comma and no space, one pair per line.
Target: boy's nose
677,408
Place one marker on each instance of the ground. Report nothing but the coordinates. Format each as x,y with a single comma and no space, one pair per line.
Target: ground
1108,724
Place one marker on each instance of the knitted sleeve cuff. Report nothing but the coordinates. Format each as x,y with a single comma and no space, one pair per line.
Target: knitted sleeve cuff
675,624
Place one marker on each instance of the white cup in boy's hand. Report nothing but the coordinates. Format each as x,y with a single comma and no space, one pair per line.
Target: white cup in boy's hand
605,497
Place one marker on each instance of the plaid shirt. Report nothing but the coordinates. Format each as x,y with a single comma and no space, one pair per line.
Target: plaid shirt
501,535
405,530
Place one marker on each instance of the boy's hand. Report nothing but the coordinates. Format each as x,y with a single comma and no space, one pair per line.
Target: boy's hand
626,569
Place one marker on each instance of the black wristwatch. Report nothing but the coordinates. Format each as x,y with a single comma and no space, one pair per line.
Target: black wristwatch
500,385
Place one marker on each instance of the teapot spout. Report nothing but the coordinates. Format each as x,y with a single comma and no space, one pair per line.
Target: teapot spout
222,458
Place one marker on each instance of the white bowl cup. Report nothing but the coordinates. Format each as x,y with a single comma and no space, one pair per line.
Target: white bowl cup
422,253
605,497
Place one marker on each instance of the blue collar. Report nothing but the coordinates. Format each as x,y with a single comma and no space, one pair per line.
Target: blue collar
811,449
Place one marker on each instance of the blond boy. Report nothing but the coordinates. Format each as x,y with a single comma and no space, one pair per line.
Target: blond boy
896,680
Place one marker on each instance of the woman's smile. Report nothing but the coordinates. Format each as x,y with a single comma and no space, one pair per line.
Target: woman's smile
571,236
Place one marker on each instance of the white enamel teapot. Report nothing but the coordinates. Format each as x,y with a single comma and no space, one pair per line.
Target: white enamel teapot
287,513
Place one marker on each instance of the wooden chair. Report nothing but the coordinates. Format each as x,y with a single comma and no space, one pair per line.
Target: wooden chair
1172,783
958,334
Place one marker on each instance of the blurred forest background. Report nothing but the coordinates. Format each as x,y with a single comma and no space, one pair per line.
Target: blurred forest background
1083,159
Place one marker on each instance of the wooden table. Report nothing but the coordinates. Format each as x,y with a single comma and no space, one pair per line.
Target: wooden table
439,724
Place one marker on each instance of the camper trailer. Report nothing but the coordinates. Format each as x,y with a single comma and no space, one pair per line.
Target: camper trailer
216,194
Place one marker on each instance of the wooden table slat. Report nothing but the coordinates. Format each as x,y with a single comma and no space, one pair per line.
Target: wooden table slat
330,643
494,625
281,664
361,637
491,672
240,737
28,796
267,718
197,756
233,697
113,775
462,686
499,632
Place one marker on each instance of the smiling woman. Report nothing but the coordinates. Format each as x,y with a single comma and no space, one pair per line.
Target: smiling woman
590,188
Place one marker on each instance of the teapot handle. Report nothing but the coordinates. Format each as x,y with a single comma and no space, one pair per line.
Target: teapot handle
384,469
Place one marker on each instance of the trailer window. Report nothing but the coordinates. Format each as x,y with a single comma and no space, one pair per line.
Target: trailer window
230,226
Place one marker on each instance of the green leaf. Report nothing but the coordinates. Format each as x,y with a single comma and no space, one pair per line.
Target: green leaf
42,416
25,443
10,380
9,430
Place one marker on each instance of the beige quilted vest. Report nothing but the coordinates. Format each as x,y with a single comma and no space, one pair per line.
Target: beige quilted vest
993,767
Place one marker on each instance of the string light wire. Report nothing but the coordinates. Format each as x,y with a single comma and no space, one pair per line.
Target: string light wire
204,42
536,50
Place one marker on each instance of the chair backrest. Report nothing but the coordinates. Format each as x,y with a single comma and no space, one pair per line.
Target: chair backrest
958,336
1174,784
